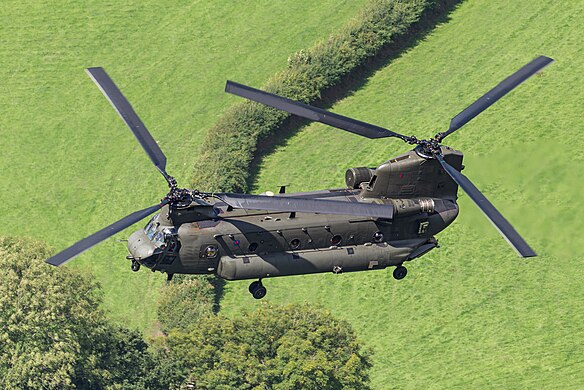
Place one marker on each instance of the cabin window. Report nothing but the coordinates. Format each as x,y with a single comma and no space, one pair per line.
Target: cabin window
253,247
378,236
295,243
211,251
336,240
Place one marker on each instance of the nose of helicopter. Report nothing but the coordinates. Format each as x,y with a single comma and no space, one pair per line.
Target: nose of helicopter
140,247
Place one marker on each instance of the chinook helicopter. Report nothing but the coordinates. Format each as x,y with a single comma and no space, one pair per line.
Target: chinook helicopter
384,217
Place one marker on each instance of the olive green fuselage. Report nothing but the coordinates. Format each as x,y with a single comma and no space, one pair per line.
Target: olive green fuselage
248,244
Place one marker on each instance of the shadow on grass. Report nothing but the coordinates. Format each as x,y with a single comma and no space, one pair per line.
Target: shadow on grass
354,80
219,290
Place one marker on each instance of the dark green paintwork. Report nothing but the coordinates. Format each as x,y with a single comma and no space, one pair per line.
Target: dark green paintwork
259,244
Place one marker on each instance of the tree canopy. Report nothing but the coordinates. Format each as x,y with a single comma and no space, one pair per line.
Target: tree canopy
53,334
291,347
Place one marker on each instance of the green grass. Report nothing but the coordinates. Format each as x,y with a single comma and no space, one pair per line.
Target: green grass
70,166
470,314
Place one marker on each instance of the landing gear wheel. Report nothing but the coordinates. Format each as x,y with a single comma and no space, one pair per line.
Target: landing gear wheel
135,266
254,285
257,289
259,292
400,272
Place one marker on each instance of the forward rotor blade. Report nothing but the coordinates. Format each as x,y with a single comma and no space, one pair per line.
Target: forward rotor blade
83,245
502,225
127,113
496,93
309,112
283,203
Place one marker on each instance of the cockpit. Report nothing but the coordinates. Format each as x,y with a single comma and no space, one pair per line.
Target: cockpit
156,245
156,235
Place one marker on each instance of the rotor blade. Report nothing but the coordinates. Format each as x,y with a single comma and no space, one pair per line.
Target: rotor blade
502,225
83,245
303,205
125,110
309,112
496,93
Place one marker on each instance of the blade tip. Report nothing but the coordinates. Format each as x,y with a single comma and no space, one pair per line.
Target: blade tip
547,58
229,85
92,69
52,262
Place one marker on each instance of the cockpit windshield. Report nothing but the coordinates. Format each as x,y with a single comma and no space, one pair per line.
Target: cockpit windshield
151,227
158,239
156,234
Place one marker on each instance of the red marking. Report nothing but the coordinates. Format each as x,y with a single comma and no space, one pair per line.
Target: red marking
401,175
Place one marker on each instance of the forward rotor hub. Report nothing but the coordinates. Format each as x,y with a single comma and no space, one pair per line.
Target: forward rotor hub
179,197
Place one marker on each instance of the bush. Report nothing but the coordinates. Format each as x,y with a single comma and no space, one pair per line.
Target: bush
292,347
230,145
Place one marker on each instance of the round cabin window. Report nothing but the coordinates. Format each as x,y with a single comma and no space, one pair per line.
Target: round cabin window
295,243
211,251
378,236
336,240
253,247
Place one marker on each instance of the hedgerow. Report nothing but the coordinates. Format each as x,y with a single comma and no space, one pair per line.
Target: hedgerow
186,299
230,145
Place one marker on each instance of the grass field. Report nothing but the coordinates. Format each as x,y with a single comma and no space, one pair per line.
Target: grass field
70,166
470,314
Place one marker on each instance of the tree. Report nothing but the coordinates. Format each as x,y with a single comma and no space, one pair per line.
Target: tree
53,334
291,347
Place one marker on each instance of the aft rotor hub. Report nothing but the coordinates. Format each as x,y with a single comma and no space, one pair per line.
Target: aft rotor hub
428,149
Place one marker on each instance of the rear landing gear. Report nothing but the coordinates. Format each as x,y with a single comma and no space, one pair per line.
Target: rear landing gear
135,266
400,272
257,289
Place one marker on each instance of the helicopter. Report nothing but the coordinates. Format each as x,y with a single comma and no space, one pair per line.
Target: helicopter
385,216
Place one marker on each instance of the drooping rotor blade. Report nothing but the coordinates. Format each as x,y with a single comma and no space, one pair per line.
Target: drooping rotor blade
125,110
309,112
502,225
284,203
495,94
83,245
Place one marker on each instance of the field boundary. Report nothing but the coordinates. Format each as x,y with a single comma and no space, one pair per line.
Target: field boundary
321,75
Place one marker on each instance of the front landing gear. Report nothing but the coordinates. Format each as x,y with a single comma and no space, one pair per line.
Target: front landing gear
257,289
135,266
400,272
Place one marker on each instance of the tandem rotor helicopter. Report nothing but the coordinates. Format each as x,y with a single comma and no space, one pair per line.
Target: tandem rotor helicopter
384,217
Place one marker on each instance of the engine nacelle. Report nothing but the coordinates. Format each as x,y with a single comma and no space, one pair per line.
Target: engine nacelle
355,176
412,206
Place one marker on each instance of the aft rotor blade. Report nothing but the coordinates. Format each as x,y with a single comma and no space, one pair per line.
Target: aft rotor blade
496,93
83,245
303,205
125,110
309,112
502,225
